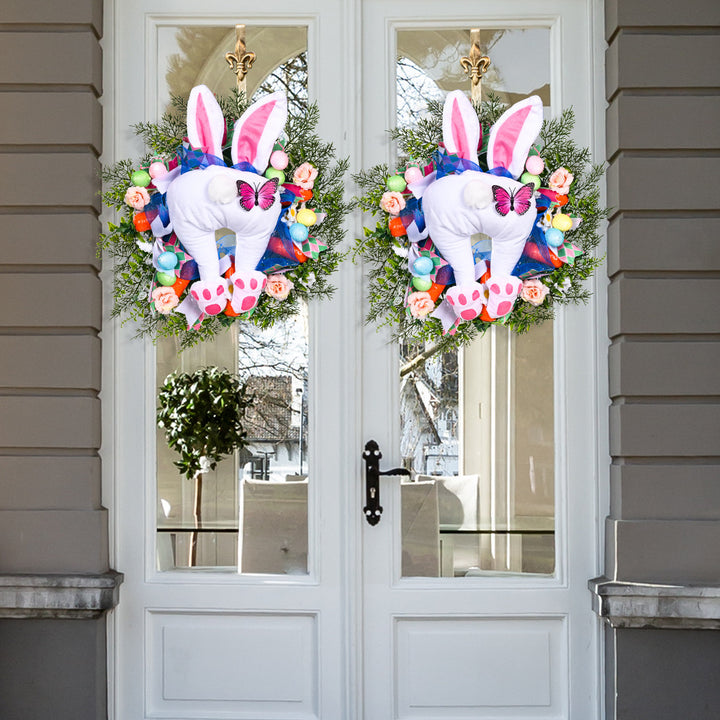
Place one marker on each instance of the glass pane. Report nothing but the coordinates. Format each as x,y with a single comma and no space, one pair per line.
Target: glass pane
477,426
250,513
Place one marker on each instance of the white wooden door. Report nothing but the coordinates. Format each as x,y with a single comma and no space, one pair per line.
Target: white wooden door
349,637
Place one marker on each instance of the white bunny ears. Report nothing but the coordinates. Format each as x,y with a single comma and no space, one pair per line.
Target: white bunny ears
511,137
254,133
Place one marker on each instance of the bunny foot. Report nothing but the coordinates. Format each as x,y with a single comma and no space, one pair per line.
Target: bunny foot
466,300
247,286
210,295
502,293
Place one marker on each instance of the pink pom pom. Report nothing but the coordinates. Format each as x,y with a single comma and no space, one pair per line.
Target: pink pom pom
157,169
412,175
535,165
279,160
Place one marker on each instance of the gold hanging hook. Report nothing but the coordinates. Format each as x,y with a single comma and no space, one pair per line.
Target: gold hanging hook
242,59
475,65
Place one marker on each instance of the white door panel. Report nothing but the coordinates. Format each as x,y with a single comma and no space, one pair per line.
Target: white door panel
350,639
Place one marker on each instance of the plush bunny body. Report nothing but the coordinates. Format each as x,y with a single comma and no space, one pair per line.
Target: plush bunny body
202,201
451,222
195,222
458,206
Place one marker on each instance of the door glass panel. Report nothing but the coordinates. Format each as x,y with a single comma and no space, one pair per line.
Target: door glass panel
250,513
477,425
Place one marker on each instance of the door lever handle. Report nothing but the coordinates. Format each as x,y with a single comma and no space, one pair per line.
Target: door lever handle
371,455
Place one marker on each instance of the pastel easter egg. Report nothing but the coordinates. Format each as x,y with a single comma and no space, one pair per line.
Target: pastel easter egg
167,261
157,169
554,237
166,278
396,183
306,217
279,159
423,266
422,282
298,232
535,165
272,172
527,177
562,222
413,175
141,178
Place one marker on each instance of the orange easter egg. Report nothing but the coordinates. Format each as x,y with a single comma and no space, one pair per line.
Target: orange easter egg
435,291
141,223
396,227
179,286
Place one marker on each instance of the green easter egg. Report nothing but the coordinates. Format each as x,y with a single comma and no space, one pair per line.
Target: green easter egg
396,183
165,278
272,172
140,178
527,177
422,282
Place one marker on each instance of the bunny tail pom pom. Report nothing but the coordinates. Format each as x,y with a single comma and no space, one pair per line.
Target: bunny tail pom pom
222,190
477,195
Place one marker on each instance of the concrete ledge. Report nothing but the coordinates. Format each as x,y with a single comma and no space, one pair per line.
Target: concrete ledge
58,596
656,605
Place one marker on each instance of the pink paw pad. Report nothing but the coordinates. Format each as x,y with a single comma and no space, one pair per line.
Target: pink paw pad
210,296
247,286
503,292
467,300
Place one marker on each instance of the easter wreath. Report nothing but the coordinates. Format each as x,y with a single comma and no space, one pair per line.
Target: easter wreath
207,235
461,244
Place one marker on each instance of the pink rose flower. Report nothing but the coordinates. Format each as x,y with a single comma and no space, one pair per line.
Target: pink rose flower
392,202
137,197
278,286
560,181
305,175
165,299
533,291
420,304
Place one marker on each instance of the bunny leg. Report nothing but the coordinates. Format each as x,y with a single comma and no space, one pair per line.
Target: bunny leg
247,286
467,296
502,292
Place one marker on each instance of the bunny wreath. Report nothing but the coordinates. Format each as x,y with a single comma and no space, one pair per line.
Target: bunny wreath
207,235
461,245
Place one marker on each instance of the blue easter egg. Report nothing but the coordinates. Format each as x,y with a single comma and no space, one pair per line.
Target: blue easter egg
422,282
423,266
166,279
554,237
299,232
167,261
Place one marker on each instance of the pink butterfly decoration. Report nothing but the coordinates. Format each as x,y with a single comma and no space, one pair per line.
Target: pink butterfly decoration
519,201
264,196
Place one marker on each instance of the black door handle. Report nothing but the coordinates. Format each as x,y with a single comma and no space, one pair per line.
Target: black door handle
371,455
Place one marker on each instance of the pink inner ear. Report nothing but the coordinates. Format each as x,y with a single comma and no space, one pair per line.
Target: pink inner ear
506,137
458,132
251,133
203,126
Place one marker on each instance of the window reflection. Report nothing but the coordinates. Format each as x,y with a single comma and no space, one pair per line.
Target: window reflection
253,505
477,426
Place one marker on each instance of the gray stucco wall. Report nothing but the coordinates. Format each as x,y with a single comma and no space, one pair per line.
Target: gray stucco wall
663,136
51,519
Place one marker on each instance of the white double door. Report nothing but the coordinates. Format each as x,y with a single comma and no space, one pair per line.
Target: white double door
351,639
